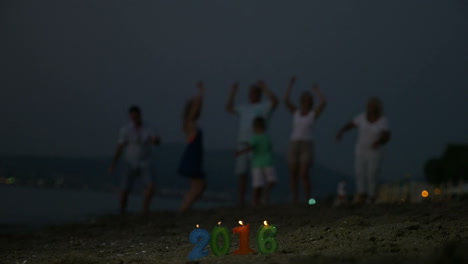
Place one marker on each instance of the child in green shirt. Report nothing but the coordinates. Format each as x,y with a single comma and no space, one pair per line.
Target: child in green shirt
263,172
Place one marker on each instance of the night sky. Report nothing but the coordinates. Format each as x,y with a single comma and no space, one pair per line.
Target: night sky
70,69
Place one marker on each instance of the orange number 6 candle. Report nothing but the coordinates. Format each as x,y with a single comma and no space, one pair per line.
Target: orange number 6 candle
244,233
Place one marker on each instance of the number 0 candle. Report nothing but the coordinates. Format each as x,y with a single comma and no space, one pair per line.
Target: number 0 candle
266,238
244,232
201,238
216,233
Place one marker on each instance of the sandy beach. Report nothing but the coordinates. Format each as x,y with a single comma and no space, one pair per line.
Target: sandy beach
406,233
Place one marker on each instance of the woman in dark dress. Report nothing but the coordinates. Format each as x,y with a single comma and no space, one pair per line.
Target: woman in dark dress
191,164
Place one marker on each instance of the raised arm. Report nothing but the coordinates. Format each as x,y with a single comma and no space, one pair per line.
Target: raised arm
322,101
232,95
287,96
344,129
195,109
273,99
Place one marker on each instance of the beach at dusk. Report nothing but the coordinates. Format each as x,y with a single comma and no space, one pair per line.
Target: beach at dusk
233,131
398,233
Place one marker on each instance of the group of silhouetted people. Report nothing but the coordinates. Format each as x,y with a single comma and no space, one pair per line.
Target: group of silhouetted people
254,150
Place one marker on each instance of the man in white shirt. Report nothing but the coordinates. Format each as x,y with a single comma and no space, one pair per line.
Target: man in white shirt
135,142
373,134
247,113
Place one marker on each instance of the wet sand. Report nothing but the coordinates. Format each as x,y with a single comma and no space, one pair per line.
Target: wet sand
406,233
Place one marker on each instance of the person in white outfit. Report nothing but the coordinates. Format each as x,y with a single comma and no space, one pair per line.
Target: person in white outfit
300,154
373,134
135,142
247,113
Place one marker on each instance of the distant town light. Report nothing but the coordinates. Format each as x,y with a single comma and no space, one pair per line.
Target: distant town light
10,180
424,194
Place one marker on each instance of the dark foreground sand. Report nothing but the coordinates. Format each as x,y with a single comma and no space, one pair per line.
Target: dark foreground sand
423,233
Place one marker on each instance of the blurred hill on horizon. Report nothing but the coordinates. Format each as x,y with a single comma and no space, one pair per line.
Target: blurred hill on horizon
91,173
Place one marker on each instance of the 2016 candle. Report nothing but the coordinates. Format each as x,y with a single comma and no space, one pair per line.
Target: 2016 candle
226,240
266,238
244,232
201,238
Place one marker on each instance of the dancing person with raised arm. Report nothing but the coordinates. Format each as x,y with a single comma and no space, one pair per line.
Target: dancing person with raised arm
135,141
247,113
300,154
191,164
373,135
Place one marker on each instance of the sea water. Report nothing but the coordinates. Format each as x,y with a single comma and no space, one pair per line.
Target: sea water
30,207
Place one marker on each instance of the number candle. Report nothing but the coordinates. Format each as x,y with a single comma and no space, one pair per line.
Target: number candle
201,238
224,233
244,232
266,240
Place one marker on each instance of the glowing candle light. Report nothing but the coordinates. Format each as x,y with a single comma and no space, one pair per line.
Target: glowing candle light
266,238
10,180
214,244
244,232
201,238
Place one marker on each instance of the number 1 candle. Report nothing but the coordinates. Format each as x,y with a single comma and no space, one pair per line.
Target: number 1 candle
214,244
266,240
244,232
201,238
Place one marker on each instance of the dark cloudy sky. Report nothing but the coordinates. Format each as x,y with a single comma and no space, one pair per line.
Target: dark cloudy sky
69,69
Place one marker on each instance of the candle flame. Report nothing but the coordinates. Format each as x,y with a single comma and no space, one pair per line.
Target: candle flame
241,223
198,226
265,223
219,223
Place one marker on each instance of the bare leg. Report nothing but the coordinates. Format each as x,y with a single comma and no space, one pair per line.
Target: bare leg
123,201
268,188
196,190
147,198
373,168
362,198
293,170
242,189
360,165
304,174
257,195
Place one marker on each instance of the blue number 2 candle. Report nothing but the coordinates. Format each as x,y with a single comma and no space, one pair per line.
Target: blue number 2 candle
201,238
